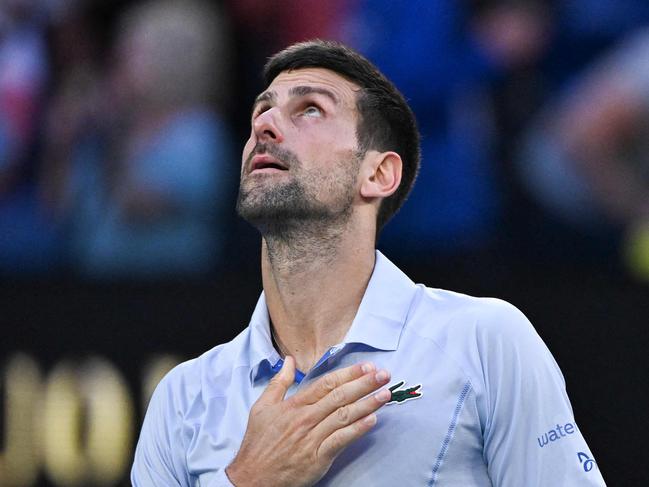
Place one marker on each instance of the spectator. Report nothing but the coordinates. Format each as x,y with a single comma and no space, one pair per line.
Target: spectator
29,239
586,157
148,160
444,60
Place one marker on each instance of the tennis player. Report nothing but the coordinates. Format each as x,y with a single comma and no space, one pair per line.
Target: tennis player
350,374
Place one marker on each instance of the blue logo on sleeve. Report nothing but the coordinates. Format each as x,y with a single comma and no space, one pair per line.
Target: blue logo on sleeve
561,431
587,462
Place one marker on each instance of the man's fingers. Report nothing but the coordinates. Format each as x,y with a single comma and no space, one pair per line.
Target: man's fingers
341,438
276,389
327,383
348,393
344,416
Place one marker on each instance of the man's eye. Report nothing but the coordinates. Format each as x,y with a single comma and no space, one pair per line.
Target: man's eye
312,111
259,111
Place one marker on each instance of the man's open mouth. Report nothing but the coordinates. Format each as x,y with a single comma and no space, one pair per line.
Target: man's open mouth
264,161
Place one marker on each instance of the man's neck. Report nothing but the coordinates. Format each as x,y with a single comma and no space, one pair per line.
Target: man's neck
313,286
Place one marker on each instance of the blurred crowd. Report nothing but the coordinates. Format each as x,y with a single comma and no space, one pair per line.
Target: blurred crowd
121,125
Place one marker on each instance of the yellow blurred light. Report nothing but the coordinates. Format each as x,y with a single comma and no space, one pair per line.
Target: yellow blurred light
97,396
20,459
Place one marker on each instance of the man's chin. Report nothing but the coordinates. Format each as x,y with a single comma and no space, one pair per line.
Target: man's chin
268,215
260,199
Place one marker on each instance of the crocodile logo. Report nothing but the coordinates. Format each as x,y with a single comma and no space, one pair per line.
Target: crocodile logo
403,395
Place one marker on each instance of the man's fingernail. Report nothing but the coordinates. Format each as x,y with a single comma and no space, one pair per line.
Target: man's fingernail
383,395
367,367
381,376
370,420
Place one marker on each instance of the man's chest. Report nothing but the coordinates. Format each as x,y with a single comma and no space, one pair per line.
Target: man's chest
428,434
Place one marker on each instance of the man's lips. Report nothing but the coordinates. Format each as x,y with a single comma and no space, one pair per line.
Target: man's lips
266,163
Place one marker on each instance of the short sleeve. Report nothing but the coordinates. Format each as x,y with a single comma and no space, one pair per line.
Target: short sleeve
530,437
159,452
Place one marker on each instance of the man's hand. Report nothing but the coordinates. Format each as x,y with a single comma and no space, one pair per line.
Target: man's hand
293,442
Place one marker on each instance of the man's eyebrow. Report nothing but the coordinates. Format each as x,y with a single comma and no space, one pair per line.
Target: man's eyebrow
307,90
268,96
271,96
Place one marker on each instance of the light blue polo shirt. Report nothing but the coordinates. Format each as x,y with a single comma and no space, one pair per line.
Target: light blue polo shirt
493,409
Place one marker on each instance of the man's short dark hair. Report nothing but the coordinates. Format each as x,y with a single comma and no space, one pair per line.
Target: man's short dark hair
386,122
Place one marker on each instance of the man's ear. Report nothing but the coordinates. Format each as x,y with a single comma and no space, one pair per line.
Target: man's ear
382,175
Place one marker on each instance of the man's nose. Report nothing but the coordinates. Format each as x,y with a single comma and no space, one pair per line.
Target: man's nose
266,126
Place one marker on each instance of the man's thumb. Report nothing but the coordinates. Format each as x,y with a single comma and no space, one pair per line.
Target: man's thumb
279,384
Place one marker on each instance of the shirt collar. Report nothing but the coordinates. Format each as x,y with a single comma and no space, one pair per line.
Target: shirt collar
378,323
261,344
384,308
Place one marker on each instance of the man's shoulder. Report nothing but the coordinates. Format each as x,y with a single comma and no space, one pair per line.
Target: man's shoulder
465,326
440,310
479,335
207,374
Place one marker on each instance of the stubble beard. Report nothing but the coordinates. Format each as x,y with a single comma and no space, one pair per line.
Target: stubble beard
293,222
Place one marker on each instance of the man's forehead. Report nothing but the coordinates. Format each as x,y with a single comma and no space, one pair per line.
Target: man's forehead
298,81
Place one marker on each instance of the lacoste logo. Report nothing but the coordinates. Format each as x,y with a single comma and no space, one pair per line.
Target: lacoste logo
587,462
399,396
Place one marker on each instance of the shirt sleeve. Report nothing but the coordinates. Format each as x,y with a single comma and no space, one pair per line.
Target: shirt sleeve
159,453
530,435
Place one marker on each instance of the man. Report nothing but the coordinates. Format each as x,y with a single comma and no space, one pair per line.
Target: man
349,373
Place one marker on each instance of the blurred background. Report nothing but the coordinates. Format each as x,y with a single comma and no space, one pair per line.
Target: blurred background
121,128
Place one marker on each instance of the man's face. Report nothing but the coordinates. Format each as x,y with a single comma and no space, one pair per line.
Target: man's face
301,161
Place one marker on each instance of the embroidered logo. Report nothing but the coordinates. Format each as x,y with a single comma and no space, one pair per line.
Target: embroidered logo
587,462
399,396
